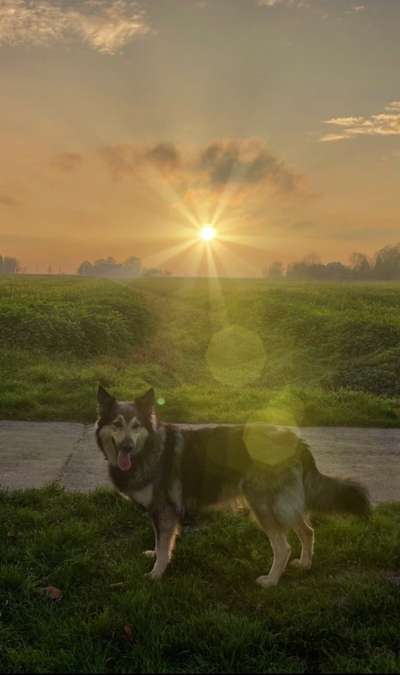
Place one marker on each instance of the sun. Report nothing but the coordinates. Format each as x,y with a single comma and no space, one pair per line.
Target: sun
208,233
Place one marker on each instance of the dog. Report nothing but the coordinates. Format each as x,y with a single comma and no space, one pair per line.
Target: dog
174,472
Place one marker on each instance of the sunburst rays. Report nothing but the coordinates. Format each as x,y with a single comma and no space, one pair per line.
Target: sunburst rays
208,242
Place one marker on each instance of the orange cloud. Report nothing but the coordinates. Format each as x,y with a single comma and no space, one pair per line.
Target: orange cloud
386,123
243,163
286,3
104,25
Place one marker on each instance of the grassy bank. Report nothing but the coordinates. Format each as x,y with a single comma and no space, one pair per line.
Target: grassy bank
233,350
207,615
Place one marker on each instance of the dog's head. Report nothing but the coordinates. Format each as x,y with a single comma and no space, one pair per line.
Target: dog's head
123,427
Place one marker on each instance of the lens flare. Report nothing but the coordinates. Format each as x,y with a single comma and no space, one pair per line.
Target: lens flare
235,356
272,434
207,233
270,446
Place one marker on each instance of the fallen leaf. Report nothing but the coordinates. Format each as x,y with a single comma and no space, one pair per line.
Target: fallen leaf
53,593
128,634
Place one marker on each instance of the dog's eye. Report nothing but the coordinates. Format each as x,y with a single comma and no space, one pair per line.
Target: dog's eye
117,424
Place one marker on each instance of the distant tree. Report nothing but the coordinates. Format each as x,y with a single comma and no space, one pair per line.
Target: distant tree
275,271
152,272
109,267
384,266
387,263
85,269
336,271
132,267
9,265
303,270
106,267
360,266
296,270
308,268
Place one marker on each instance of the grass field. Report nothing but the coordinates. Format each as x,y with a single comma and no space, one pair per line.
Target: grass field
207,615
234,350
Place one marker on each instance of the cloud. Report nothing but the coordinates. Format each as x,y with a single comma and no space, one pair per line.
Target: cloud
68,161
121,159
394,106
164,155
386,123
286,3
247,162
104,25
304,3
243,163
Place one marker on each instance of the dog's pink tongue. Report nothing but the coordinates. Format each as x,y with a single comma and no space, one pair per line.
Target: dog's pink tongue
124,461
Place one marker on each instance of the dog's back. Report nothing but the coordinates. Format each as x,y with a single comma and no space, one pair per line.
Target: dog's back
216,459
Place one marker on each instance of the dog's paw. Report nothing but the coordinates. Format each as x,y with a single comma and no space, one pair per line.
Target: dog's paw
299,565
266,582
149,554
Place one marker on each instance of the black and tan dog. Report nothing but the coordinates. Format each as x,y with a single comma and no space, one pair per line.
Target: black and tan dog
171,472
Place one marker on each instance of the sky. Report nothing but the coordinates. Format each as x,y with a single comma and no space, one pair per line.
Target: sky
126,126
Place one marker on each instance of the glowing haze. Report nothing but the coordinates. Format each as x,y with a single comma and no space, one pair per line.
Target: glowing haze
127,127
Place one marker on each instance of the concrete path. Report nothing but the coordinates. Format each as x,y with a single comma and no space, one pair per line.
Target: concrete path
33,454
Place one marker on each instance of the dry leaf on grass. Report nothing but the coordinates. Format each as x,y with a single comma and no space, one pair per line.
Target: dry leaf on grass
53,593
128,633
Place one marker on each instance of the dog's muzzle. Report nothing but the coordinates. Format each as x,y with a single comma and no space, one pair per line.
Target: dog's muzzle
125,460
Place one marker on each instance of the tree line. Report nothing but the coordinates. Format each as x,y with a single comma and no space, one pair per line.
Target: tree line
109,267
383,266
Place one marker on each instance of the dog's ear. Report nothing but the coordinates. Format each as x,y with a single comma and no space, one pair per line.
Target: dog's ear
104,399
147,401
146,405
149,398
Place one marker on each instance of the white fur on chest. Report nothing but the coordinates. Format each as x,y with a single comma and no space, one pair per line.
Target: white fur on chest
143,496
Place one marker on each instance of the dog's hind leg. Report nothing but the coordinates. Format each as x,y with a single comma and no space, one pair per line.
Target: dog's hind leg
262,506
281,550
166,524
277,536
305,533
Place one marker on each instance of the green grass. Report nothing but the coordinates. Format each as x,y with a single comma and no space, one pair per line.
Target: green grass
234,350
207,615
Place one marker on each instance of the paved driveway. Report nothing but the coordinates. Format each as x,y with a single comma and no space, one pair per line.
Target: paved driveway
33,454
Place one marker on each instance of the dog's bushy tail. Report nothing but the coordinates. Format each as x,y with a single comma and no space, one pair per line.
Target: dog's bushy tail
333,495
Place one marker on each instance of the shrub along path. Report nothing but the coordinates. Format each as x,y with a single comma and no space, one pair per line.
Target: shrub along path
33,454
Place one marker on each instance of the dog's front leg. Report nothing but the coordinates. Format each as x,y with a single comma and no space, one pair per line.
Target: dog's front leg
166,523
